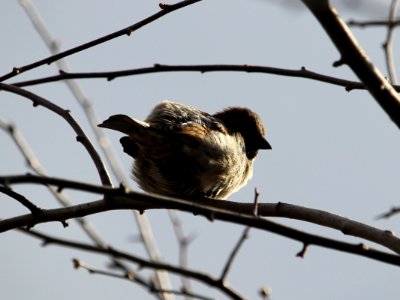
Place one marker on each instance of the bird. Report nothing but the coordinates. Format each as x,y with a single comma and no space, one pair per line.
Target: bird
183,152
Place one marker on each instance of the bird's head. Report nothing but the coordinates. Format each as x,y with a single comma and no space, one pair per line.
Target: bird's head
249,125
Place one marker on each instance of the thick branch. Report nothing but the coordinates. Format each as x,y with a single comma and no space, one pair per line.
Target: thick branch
353,55
138,201
349,227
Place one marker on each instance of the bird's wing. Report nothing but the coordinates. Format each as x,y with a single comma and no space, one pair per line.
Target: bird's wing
177,116
156,140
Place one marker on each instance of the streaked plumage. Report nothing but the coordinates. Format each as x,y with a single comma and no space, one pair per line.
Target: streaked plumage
184,152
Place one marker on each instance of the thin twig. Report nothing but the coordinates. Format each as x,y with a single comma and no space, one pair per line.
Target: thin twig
183,243
165,9
21,199
388,44
131,276
79,264
158,68
395,22
143,263
256,197
389,214
234,253
241,240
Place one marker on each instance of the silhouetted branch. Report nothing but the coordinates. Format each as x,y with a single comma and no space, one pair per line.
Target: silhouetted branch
165,9
79,264
241,240
389,214
131,276
183,243
121,199
35,210
143,263
160,68
132,200
147,236
388,44
355,57
235,251
357,23
65,114
34,163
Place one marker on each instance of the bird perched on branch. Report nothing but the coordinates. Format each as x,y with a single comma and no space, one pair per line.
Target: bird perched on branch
183,152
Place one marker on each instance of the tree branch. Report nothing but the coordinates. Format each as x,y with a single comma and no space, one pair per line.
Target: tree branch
165,9
79,264
240,242
202,277
388,44
362,24
303,72
346,226
118,199
65,114
35,210
353,55
145,230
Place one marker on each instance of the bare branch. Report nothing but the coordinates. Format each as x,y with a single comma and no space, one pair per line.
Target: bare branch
234,253
241,240
183,242
389,214
143,263
77,92
79,264
131,276
303,251
388,44
145,230
65,114
303,72
135,200
35,210
353,55
124,200
165,9
356,23
35,165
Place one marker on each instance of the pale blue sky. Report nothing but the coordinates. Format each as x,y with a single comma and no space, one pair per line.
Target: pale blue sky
332,150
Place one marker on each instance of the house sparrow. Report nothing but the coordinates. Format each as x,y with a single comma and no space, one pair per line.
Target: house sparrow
183,152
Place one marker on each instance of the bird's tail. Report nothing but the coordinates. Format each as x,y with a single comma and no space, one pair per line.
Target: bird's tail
142,138
124,124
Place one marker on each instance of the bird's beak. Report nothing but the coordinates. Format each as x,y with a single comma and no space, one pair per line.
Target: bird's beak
263,144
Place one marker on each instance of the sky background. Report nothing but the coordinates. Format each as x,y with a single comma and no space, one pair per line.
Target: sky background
332,150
